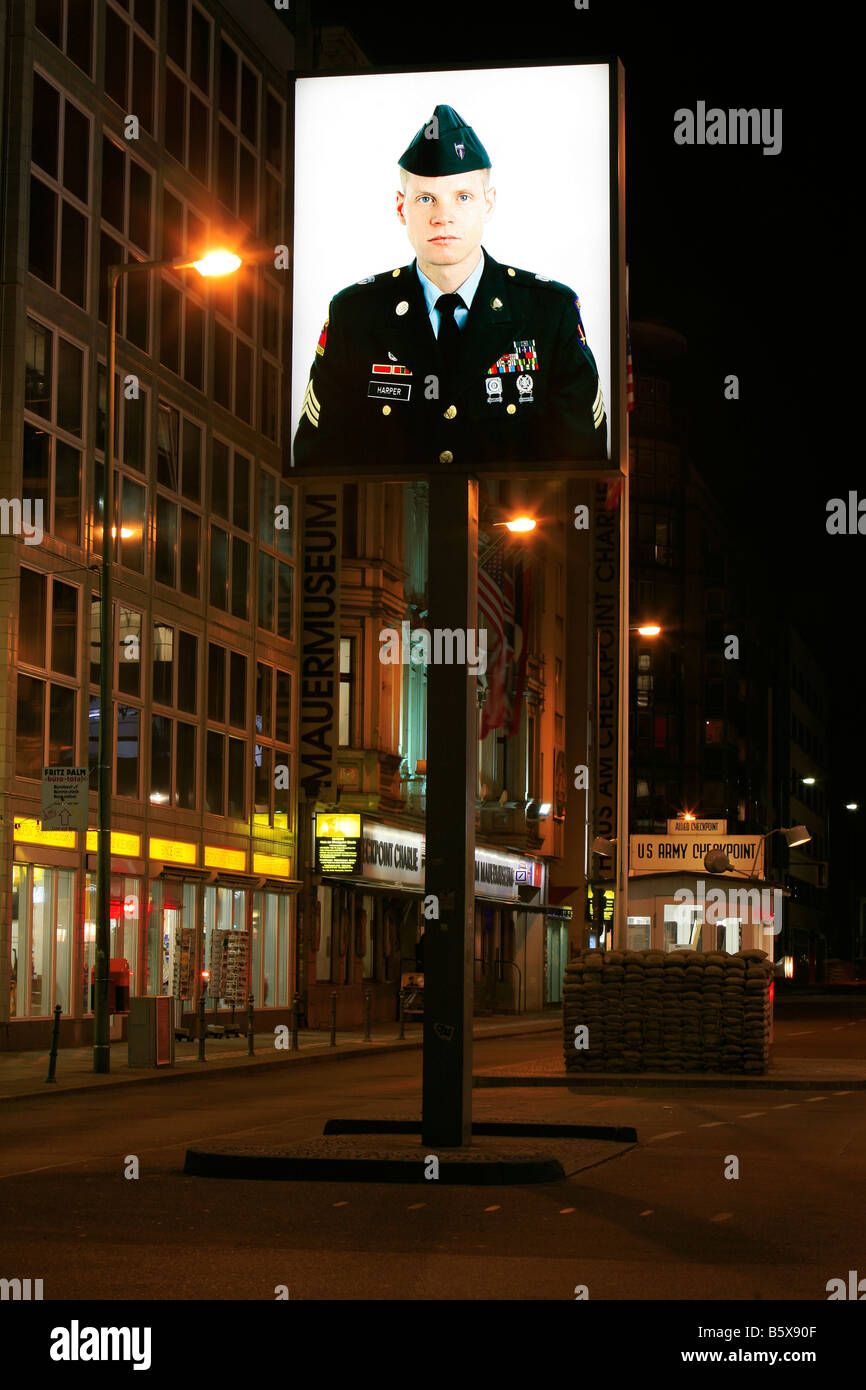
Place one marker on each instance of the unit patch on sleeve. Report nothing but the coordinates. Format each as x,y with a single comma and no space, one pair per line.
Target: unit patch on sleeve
323,338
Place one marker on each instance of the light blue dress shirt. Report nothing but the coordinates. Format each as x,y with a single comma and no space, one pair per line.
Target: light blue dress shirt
466,292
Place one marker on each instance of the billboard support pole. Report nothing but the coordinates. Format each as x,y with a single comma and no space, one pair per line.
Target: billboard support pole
452,774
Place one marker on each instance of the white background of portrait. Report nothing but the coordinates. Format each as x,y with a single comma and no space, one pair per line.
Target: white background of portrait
546,131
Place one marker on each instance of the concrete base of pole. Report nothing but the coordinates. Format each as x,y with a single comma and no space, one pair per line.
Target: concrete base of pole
491,1160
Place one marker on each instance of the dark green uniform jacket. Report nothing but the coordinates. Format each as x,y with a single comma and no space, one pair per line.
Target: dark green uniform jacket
523,389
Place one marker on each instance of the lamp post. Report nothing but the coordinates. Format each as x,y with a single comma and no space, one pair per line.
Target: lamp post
620,918
215,263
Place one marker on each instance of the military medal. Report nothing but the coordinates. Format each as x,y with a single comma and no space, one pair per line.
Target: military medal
524,386
494,390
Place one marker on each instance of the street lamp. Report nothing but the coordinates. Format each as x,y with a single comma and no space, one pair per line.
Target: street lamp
213,263
716,861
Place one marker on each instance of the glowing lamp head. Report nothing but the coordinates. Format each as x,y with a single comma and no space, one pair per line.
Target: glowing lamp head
649,630
521,523
217,263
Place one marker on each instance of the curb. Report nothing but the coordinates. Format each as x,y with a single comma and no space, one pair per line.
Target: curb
616,1078
218,1066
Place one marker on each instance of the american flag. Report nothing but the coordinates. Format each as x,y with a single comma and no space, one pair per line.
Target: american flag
496,613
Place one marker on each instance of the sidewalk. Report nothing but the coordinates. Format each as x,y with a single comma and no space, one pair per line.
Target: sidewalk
22,1074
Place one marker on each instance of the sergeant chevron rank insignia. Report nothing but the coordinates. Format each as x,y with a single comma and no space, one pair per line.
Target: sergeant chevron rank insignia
598,408
311,407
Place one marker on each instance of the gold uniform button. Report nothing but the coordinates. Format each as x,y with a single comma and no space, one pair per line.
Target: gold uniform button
512,409
511,272
386,410
395,273
446,456
451,412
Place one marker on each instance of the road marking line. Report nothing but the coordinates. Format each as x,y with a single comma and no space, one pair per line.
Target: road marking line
339,1204
844,1093
722,1216
416,1206
812,1099
791,1105
566,1211
840,1026
492,1208
751,1115
670,1134
649,1212
803,1034
713,1124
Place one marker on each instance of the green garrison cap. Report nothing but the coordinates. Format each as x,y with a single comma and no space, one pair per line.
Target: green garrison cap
445,145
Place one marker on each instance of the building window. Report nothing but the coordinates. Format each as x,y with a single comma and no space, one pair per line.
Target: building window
234,300
126,235
48,642
182,305
187,87
276,526
130,59
59,192
178,528
69,26
230,483
53,429
273,768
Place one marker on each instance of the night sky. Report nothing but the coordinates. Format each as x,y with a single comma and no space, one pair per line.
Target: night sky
742,252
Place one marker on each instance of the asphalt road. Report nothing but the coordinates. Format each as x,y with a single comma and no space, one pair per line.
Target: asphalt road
660,1220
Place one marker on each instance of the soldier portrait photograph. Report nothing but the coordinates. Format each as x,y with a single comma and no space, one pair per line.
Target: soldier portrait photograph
459,359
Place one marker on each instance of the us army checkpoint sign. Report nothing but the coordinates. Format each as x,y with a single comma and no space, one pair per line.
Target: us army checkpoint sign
64,798
439,197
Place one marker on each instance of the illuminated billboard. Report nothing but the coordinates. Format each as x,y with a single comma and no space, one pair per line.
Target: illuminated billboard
458,272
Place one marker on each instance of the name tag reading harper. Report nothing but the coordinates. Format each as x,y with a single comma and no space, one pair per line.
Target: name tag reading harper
390,390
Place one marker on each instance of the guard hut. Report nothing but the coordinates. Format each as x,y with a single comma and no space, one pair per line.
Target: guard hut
700,888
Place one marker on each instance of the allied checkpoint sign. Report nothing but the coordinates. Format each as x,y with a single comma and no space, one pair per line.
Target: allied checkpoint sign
536,381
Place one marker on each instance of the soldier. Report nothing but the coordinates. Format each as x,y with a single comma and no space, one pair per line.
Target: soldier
454,362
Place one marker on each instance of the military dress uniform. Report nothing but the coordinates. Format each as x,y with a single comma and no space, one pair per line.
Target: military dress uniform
522,388
514,382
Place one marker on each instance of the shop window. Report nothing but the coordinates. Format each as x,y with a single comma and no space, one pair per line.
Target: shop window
169,945
43,925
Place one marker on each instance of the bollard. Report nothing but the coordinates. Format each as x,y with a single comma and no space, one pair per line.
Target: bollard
201,1026
368,1001
296,1008
402,1032
251,1035
333,1042
52,1058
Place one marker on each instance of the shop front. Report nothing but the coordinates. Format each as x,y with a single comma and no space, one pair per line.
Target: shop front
369,918
183,916
509,932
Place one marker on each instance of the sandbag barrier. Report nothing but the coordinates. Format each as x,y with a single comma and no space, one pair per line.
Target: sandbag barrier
678,1011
